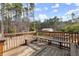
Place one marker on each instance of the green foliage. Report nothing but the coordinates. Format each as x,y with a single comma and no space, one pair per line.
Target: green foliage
12,16
48,23
52,23
35,26
11,30
71,28
17,6
32,6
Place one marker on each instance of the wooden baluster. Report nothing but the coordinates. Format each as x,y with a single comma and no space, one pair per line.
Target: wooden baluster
78,38
9,43
69,39
75,38
63,36
16,42
72,37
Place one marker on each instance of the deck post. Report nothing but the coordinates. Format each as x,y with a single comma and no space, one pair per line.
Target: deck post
73,49
25,42
1,47
49,42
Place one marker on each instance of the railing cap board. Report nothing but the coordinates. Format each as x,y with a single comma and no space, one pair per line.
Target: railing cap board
17,34
57,32
2,41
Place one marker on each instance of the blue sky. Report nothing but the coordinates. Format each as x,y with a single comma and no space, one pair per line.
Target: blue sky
49,10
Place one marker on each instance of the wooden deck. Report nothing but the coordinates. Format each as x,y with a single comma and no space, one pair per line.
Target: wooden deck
53,51
35,50
24,50
42,46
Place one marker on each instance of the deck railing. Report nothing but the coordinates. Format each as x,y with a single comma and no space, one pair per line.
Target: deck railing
71,37
16,39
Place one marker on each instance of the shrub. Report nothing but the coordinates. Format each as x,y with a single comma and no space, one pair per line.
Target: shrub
11,30
71,28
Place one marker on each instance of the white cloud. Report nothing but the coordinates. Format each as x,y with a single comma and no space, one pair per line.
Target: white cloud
77,4
68,3
66,16
37,9
36,3
72,11
55,10
52,16
55,6
41,17
45,8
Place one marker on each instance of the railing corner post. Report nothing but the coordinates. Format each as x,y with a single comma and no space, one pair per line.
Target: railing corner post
1,47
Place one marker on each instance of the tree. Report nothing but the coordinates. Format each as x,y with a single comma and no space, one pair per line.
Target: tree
29,14
8,15
18,8
12,14
72,28
73,17
52,23
37,25
2,18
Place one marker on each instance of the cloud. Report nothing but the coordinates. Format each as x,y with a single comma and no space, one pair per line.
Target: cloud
55,10
72,11
77,4
41,17
66,16
45,8
37,9
55,6
68,3
36,3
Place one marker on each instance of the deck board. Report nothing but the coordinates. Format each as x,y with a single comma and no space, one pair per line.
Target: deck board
50,50
53,51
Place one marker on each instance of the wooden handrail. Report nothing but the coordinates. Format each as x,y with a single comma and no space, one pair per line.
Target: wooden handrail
18,34
72,36
57,32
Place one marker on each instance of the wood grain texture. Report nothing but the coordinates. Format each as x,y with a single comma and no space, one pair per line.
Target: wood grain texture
1,48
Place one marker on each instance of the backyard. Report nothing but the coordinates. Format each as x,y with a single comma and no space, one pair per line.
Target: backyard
43,29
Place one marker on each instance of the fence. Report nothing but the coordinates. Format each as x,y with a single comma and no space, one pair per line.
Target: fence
16,39
62,36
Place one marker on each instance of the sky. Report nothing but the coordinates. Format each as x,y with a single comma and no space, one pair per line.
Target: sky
49,10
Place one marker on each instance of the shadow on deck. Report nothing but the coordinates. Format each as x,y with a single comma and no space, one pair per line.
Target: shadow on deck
35,50
53,51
